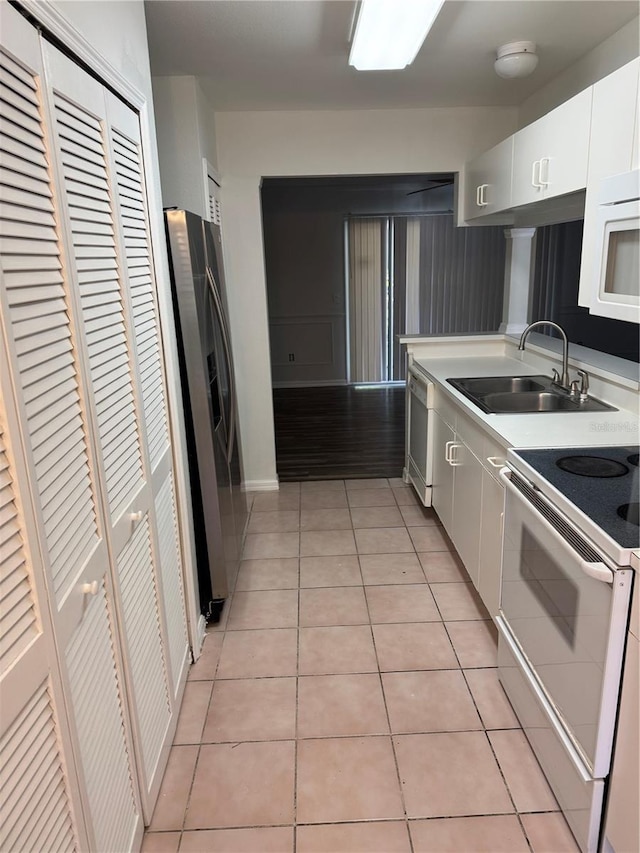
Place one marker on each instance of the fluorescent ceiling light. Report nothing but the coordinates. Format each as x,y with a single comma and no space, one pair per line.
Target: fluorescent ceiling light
389,33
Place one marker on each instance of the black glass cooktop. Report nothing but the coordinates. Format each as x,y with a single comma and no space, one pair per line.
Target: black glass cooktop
603,482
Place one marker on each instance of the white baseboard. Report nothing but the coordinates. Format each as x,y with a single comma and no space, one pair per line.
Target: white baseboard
260,486
201,630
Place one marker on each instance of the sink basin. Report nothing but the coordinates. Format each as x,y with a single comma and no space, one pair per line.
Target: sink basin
529,401
500,384
501,395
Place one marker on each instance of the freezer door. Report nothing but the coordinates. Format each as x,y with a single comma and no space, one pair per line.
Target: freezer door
199,375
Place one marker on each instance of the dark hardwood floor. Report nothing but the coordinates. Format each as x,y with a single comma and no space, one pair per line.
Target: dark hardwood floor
339,432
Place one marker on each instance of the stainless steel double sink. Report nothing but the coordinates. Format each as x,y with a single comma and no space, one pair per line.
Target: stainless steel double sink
501,395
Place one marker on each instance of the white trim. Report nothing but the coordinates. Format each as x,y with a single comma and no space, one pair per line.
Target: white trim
54,21
201,632
210,172
59,26
260,486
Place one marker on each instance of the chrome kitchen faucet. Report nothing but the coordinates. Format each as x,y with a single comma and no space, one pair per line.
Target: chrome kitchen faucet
563,381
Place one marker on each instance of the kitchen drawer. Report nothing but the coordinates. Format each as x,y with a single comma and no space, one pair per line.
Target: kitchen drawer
579,796
448,411
472,435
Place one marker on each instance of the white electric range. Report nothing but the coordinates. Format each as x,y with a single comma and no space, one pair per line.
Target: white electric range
570,526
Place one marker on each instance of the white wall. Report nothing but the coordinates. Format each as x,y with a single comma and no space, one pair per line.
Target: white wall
253,145
116,30
186,134
609,55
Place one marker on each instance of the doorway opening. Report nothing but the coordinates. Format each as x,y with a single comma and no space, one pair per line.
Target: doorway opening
351,263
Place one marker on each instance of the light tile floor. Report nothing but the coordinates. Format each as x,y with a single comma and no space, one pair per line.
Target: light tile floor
349,700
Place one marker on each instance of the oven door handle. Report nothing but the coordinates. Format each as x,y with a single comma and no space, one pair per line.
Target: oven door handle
598,571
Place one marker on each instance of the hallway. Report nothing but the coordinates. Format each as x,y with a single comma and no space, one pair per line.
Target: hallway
349,702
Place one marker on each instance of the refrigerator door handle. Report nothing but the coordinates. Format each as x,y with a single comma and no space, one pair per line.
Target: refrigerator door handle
227,351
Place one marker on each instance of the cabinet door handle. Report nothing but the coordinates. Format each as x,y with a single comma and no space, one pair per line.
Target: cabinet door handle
447,451
453,459
534,182
483,199
544,182
479,195
496,461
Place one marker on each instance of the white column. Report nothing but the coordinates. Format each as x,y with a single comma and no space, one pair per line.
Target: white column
518,272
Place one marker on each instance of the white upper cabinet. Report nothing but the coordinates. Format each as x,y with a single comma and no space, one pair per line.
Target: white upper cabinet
550,156
613,149
611,141
488,181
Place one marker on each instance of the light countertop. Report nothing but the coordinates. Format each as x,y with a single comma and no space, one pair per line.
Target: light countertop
539,429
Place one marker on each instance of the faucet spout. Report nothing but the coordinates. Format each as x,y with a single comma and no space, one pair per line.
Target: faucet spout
564,382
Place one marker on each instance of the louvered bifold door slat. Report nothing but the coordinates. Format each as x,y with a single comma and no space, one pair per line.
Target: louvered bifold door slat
33,798
127,165
37,312
94,691
119,349
94,248
52,427
35,806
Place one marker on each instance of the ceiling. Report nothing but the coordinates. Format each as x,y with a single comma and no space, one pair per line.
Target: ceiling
293,54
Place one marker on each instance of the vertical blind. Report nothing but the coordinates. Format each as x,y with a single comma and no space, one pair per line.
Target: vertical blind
367,285
433,278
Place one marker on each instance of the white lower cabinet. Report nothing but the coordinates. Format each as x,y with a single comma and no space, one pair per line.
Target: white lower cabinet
622,821
468,497
490,557
467,506
442,492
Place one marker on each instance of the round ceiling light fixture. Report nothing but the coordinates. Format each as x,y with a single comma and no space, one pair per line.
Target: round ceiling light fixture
516,59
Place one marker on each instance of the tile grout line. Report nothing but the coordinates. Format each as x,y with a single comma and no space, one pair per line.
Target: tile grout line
296,721
297,738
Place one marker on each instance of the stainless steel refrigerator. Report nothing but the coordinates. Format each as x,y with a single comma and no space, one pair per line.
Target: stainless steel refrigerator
208,391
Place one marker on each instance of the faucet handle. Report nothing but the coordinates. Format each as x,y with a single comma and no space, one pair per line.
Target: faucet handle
584,384
555,377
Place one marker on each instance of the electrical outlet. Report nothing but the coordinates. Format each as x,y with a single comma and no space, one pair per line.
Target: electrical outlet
292,356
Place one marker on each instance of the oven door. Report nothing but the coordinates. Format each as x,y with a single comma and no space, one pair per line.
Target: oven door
567,611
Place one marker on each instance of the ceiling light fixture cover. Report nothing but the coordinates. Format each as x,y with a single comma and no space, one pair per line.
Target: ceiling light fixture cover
389,33
517,59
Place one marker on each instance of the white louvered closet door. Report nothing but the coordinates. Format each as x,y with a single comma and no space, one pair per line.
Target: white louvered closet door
35,789
100,180
43,384
135,242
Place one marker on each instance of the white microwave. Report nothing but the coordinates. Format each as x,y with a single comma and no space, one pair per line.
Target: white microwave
617,250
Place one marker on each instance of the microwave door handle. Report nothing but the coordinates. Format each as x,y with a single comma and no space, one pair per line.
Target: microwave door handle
598,571
227,351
